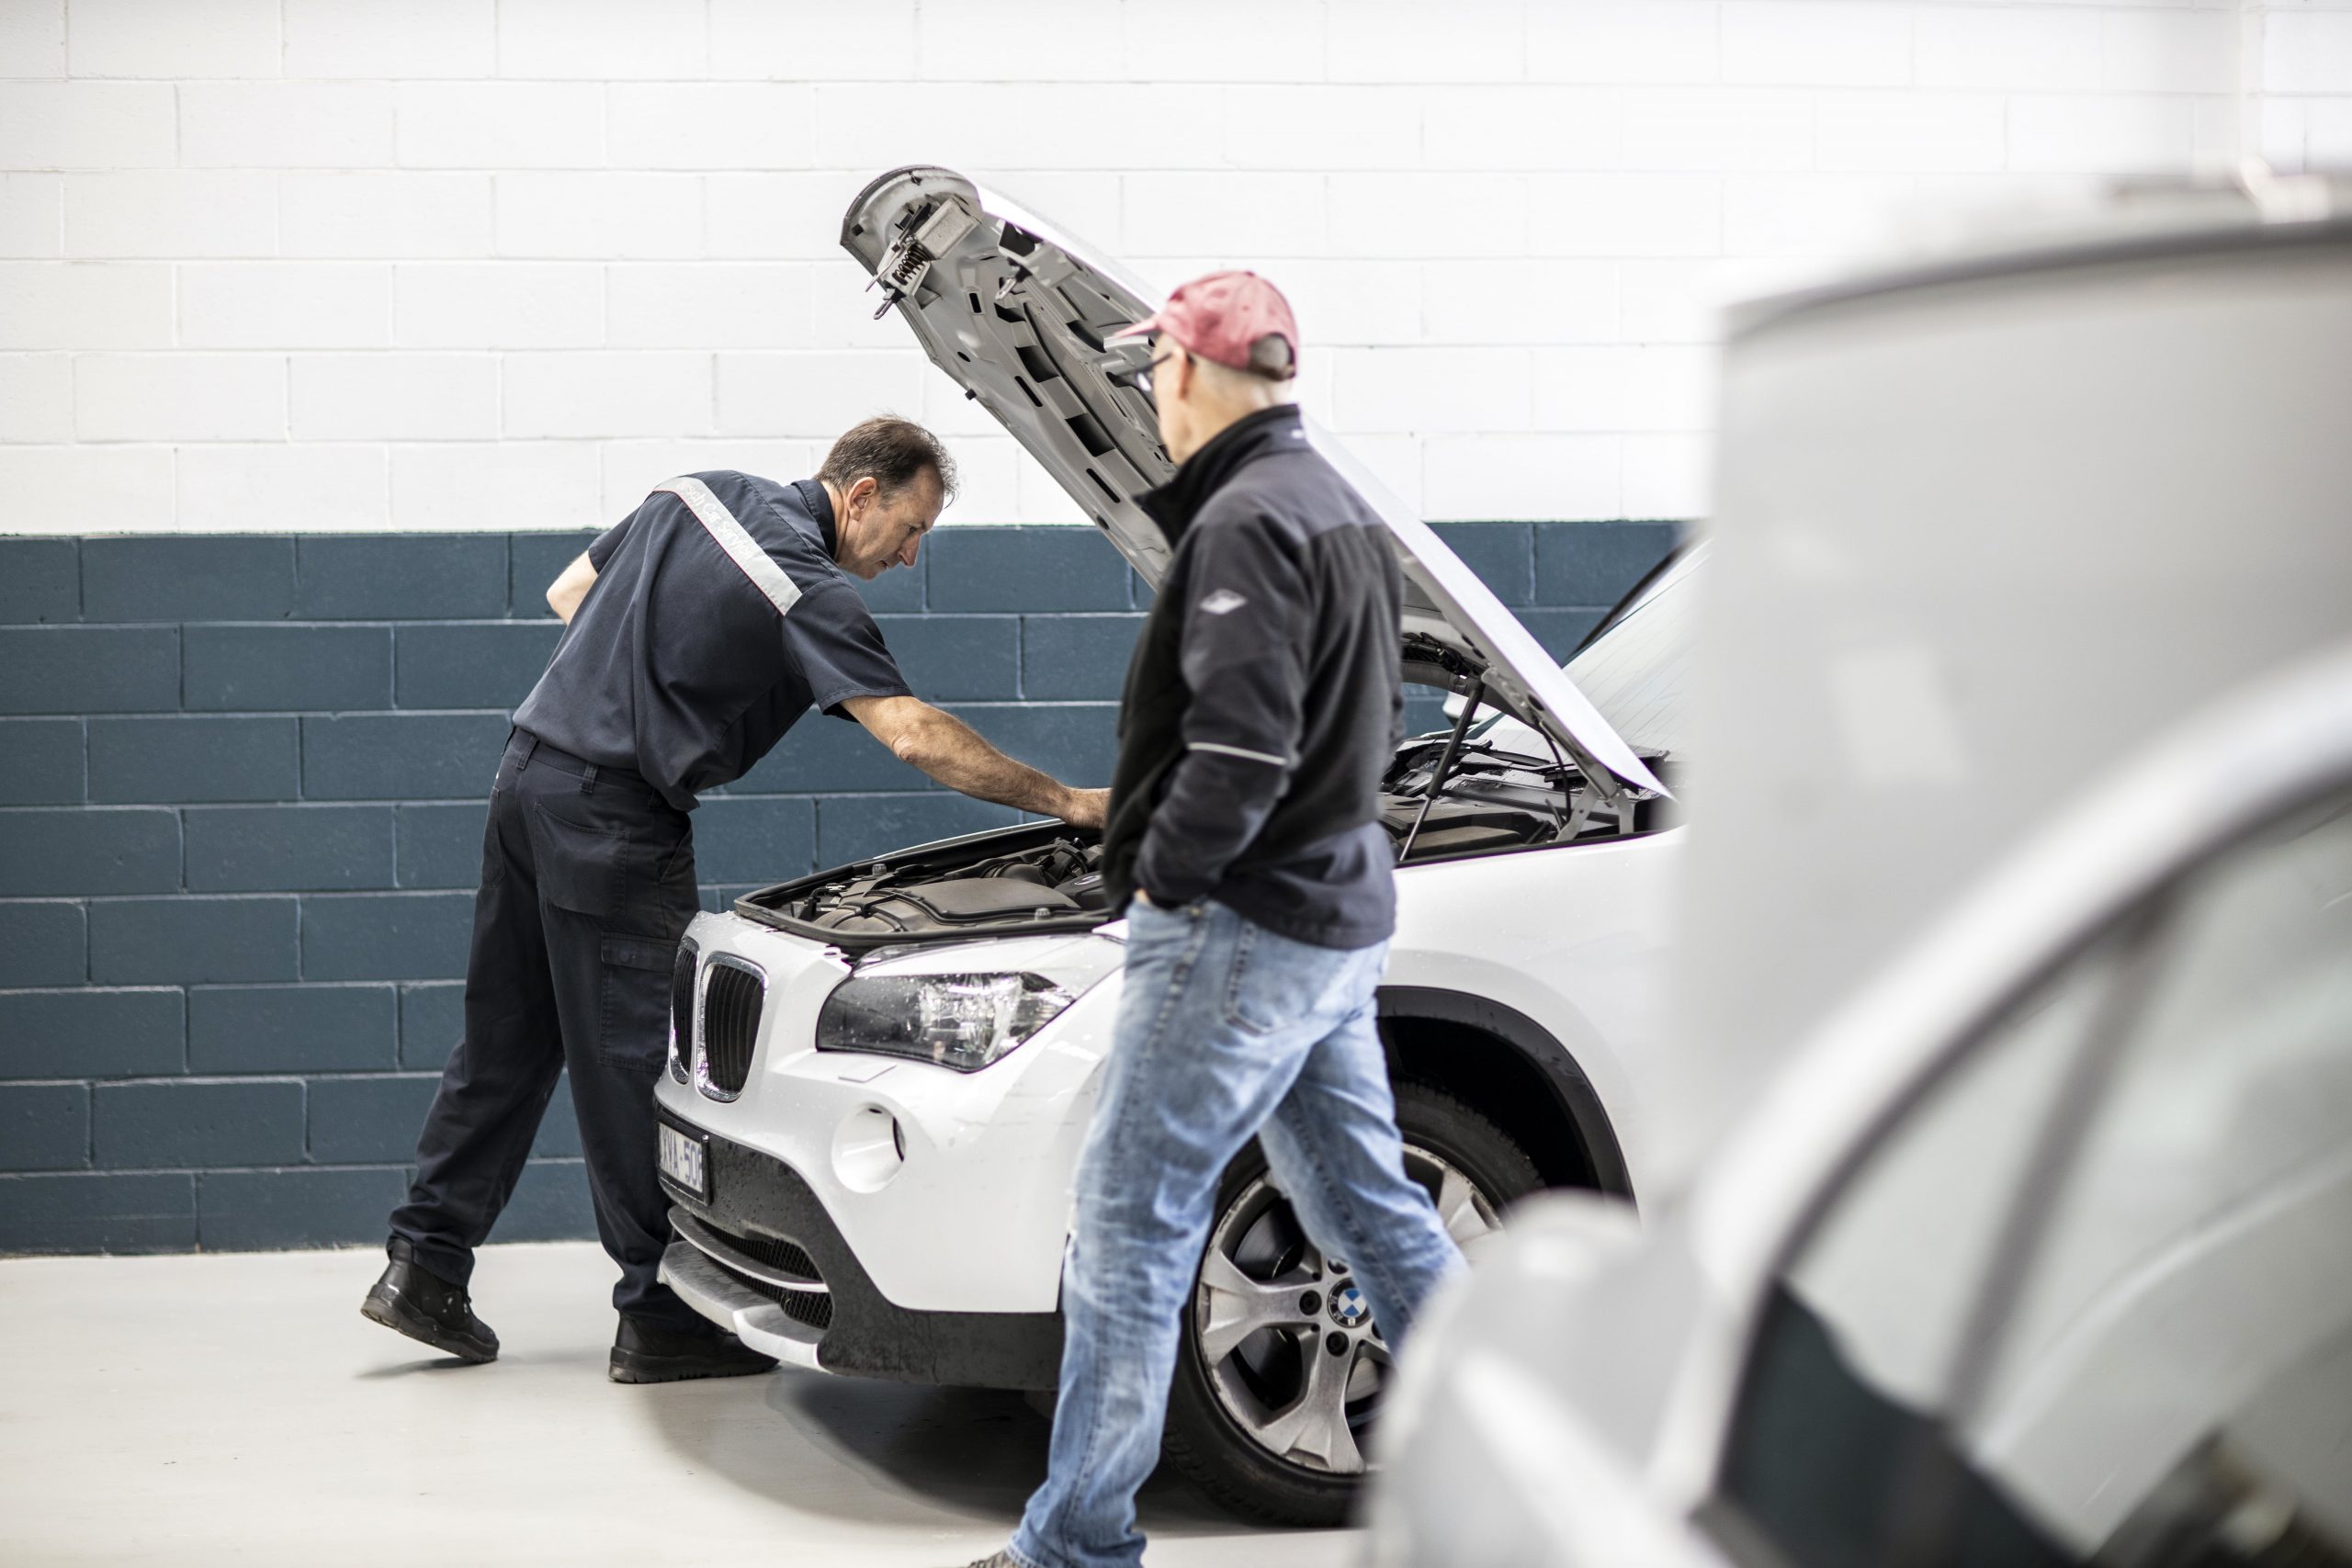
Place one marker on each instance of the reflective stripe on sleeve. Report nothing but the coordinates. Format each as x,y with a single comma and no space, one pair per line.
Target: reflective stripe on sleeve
1237,751
741,548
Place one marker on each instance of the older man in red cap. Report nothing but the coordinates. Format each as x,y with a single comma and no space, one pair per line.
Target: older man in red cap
1261,709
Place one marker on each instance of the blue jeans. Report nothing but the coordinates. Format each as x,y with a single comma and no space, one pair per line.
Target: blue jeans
1226,1031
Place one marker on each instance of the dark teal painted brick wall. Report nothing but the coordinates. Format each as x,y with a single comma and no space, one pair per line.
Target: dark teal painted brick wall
241,807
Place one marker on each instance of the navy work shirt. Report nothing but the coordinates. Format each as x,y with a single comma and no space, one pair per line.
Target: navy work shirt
680,664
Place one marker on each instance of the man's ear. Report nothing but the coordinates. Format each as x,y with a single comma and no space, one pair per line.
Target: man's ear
861,493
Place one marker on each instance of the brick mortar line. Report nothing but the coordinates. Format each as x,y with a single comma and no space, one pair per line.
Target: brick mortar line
203,1170
89,988
319,1075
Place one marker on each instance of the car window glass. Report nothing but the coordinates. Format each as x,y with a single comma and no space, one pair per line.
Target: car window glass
1845,1387
1889,1265
2177,1357
1634,672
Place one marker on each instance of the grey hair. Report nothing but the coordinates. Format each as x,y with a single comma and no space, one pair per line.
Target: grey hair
895,451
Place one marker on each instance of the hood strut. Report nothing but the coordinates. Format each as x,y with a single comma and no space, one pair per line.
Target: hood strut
1444,765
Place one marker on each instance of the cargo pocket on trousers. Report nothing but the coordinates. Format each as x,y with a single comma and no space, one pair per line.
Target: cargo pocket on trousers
635,1030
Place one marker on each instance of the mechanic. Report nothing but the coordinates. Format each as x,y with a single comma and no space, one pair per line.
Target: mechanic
1262,707
698,630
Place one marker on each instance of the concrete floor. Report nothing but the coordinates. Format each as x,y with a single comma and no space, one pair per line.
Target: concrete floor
238,1410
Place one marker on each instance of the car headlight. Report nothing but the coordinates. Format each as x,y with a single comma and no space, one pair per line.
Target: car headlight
963,1022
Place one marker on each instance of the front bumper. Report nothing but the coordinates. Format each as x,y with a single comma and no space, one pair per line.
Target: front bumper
968,1213
761,1256
733,1303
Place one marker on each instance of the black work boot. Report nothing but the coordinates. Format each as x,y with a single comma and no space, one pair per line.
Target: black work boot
646,1351
416,1302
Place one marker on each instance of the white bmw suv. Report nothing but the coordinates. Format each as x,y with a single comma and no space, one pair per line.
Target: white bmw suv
880,1075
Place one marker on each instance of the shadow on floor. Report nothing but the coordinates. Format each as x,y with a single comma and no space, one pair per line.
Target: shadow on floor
972,1454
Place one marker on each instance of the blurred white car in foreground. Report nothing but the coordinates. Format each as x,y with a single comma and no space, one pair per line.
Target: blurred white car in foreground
2043,1251
2042,1256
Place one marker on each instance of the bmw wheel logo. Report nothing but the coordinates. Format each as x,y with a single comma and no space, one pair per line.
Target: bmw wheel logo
1349,1309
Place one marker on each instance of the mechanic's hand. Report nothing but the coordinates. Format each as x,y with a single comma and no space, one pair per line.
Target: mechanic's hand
1084,807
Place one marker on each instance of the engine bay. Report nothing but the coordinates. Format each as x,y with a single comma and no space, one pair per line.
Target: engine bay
1048,876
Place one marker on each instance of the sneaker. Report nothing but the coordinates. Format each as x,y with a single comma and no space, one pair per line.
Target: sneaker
645,1351
412,1300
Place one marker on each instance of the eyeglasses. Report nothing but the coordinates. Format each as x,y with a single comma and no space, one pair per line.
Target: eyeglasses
1142,378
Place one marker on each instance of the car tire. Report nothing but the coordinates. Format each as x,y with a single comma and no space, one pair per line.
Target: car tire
1209,1437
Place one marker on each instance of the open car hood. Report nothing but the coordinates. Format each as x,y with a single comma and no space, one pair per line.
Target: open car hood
1020,315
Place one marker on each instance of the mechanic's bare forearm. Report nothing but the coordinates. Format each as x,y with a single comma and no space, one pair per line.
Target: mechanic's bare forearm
952,753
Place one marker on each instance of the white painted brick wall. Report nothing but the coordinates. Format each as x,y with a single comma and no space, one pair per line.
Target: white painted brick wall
498,305
604,393
36,397
600,38
599,216
384,214
1715,126
709,125
703,304
397,396
85,305
627,469
179,396
1649,45
87,490
794,394
501,124
391,39
171,212
497,484
489,263
32,39
32,215
286,125
279,304
2016,48
172,39
282,486
1410,41
87,125
762,39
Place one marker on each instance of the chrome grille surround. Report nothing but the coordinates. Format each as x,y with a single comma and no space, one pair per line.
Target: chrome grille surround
682,1010
733,998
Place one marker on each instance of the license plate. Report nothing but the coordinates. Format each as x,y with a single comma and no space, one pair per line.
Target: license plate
683,1156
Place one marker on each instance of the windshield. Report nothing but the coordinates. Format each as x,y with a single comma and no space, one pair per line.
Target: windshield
1634,672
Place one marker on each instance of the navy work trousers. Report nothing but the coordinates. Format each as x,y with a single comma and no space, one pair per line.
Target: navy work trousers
587,884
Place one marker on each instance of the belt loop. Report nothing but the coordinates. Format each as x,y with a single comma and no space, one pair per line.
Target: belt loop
588,778
530,745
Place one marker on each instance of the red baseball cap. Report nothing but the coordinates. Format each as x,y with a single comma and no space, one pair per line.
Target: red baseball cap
1225,317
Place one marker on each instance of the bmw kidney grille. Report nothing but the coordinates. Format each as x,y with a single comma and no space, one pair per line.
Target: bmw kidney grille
733,992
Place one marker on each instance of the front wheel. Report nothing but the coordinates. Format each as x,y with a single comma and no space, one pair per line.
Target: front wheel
1281,1367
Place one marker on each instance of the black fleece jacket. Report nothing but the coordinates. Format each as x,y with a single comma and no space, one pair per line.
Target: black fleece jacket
1264,701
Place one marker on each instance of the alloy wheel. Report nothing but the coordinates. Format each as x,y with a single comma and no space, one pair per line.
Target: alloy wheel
1293,1354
